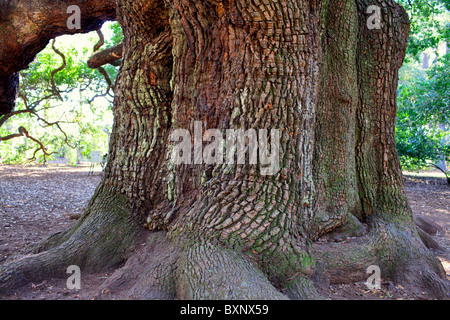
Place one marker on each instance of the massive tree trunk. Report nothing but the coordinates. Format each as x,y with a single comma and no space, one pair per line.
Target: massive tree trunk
312,73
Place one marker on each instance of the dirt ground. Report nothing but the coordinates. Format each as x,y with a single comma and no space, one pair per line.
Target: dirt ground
40,200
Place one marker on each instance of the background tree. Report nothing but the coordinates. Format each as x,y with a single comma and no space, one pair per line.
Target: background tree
427,30
422,124
57,93
314,70
424,114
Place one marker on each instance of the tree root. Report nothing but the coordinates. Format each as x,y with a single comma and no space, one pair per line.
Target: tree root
302,289
160,267
157,267
404,258
343,262
396,248
208,271
104,237
149,274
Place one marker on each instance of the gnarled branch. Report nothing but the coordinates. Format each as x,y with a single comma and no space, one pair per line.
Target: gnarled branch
106,56
99,59
59,69
24,132
33,24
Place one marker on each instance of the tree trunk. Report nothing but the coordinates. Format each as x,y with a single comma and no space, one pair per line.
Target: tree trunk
309,74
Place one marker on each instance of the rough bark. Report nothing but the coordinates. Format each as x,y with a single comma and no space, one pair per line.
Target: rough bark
399,250
104,237
311,69
335,175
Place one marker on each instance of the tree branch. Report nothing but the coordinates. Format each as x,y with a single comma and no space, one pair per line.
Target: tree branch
447,174
99,59
107,78
41,145
61,68
106,56
33,112
34,24
24,132
11,136
101,40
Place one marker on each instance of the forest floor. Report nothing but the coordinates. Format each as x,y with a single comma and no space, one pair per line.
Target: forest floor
36,201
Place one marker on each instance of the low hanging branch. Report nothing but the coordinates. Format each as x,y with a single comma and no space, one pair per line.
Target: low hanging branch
24,132
9,84
31,109
111,55
57,124
11,136
108,56
28,26
447,173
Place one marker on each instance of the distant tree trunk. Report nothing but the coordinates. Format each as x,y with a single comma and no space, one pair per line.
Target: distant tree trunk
441,163
312,70
425,61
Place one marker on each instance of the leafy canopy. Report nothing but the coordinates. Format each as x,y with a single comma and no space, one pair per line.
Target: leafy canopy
70,103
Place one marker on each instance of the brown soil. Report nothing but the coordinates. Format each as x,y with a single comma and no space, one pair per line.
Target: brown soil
39,200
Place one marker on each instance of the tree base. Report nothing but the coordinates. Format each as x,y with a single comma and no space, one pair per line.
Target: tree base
396,248
157,267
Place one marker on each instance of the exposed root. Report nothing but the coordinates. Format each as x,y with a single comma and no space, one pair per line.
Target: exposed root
428,226
149,274
343,262
162,267
352,228
404,258
196,270
302,289
103,238
209,271
156,267
428,241
395,247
